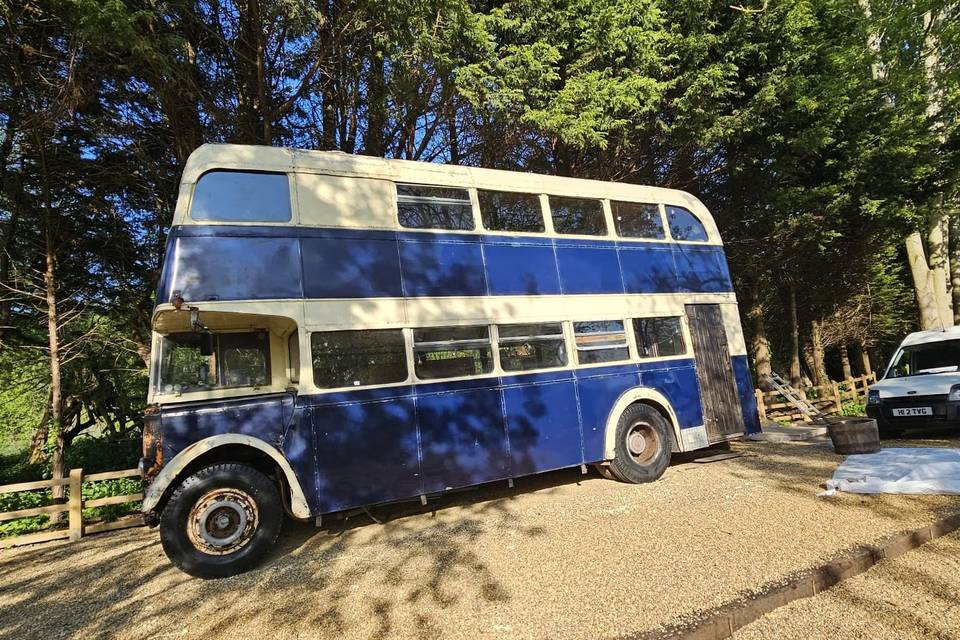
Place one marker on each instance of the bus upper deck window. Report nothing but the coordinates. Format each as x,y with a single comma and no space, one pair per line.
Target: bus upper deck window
452,352
358,358
421,207
577,216
507,211
241,196
637,220
685,226
600,341
659,337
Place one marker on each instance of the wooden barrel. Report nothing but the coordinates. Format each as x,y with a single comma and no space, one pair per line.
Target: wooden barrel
854,435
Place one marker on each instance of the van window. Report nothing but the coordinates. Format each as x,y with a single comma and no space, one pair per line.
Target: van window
421,207
600,341
933,357
358,358
659,337
685,226
241,196
452,352
577,216
637,220
531,346
506,211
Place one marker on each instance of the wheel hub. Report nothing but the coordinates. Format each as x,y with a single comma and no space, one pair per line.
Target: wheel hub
643,442
222,521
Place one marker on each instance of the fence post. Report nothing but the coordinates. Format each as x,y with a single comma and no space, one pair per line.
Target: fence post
76,504
761,407
836,396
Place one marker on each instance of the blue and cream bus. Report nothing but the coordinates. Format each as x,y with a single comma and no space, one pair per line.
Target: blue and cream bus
334,332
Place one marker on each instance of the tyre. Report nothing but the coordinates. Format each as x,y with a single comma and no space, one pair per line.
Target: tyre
221,521
643,445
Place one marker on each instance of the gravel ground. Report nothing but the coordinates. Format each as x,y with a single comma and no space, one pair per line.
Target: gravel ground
912,597
559,556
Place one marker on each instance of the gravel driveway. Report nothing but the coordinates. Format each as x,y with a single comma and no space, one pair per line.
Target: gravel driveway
559,556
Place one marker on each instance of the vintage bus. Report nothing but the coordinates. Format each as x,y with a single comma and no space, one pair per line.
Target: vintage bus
334,332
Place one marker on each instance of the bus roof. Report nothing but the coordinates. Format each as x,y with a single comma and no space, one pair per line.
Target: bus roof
209,157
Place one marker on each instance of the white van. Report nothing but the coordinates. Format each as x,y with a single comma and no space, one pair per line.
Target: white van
921,386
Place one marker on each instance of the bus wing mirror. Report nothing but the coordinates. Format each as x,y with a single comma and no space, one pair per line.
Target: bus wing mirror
206,344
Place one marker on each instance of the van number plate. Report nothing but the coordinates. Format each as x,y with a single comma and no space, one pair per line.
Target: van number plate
913,411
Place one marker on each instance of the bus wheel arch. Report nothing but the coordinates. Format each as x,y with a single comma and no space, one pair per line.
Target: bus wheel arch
232,447
640,395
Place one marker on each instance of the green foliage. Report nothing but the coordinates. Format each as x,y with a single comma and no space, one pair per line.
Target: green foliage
853,409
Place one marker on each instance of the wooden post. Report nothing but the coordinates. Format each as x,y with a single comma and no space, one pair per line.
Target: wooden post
76,504
836,397
761,407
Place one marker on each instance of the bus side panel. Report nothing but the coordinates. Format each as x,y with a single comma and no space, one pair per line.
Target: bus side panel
542,422
598,390
365,448
441,266
234,268
702,269
463,438
298,449
261,417
588,267
748,403
346,266
648,269
520,268
677,380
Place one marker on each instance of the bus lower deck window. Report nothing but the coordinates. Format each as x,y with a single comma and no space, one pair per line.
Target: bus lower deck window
600,341
531,346
358,358
452,352
659,337
238,360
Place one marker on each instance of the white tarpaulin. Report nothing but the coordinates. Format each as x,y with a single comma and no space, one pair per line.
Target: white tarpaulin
928,470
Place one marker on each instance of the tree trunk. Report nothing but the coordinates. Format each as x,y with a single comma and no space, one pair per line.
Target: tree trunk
938,240
795,372
955,265
923,284
819,372
56,376
866,368
845,362
374,142
759,343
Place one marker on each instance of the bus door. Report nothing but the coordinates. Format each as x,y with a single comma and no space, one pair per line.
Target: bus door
722,416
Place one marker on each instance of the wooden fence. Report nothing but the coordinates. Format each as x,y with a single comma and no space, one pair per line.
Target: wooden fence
74,507
829,398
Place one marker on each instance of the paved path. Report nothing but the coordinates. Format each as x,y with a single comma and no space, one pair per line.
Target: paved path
560,556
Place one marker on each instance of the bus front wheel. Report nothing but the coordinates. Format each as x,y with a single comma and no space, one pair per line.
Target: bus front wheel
643,445
221,521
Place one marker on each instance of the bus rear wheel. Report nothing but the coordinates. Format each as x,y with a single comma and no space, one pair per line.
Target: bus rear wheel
643,445
221,521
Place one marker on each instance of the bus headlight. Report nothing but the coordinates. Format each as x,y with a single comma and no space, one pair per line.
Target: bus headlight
873,397
954,395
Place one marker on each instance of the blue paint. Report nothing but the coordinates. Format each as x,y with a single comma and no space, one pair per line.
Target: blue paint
520,269
263,262
441,267
371,446
748,403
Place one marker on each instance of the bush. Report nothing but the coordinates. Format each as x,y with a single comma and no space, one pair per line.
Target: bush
853,409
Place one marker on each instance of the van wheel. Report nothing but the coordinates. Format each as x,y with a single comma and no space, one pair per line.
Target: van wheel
221,521
643,445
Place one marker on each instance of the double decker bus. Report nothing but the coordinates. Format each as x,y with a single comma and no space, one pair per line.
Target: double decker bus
334,332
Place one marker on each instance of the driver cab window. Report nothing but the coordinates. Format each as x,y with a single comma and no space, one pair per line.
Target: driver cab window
198,361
